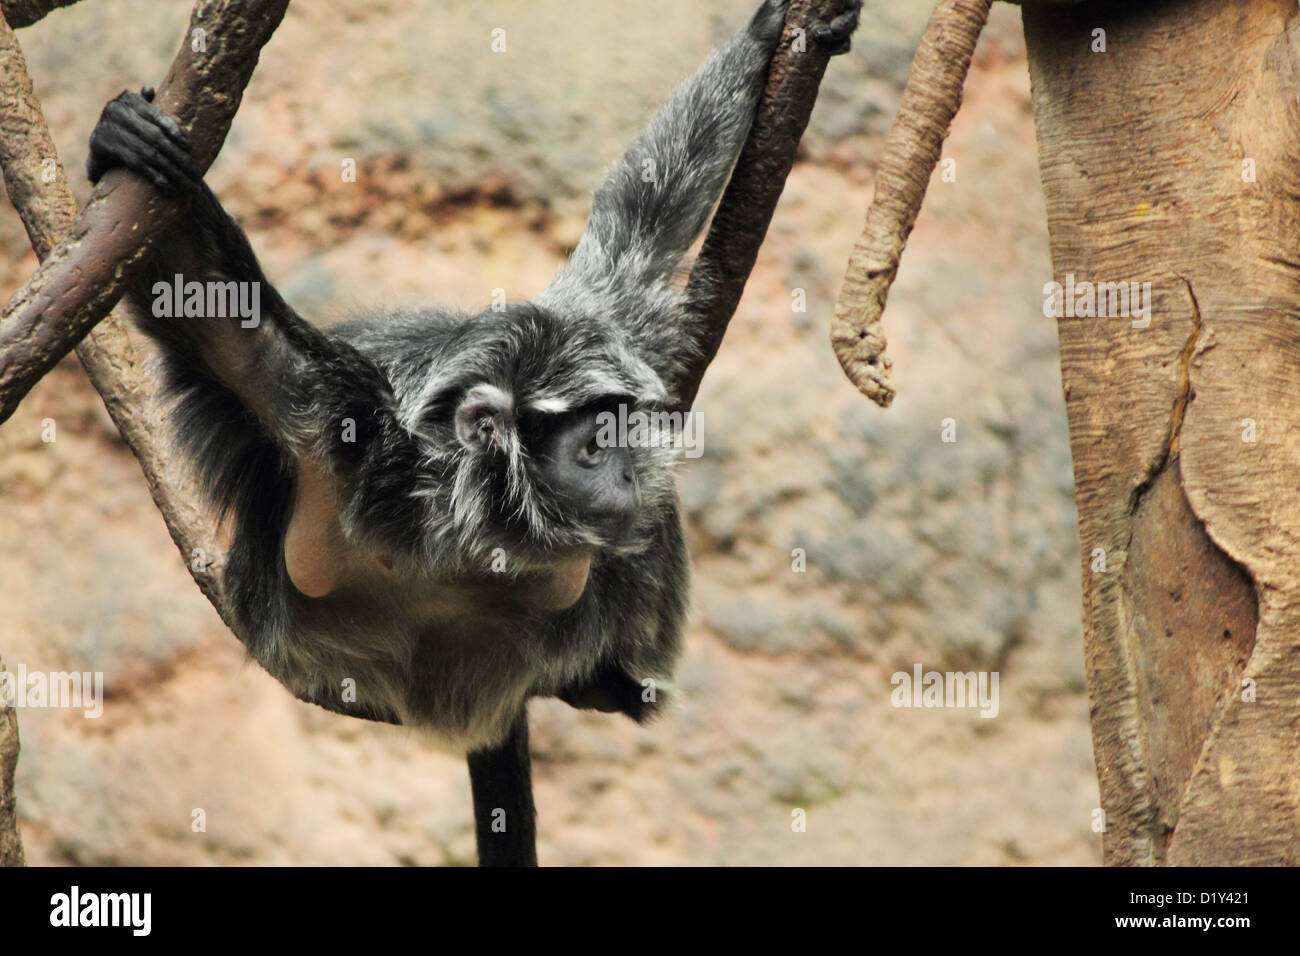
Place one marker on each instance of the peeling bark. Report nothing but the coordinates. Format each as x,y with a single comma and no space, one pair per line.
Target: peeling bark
1147,152
930,101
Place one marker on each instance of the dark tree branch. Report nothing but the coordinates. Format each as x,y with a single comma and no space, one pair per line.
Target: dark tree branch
23,13
85,275
740,224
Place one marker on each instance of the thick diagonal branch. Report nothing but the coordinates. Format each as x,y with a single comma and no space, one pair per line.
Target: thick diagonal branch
929,102
36,185
83,277
203,89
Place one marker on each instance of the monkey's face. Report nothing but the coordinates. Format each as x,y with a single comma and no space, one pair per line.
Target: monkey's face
528,463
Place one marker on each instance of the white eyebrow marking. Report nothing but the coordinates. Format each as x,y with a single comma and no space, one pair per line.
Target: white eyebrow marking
552,405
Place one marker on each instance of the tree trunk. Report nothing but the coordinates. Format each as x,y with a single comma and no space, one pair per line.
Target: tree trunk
1173,157
11,844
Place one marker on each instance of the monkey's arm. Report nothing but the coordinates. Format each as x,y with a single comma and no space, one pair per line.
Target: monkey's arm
204,297
264,399
656,201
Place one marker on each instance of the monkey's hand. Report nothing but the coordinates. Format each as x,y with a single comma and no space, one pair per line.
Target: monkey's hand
833,37
610,691
836,37
134,134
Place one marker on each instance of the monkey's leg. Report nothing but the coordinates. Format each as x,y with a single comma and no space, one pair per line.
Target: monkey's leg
505,819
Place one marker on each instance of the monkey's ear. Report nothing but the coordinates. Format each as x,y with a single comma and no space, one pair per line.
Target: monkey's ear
483,416
315,551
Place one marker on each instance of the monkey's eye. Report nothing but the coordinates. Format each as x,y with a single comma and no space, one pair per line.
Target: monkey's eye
592,452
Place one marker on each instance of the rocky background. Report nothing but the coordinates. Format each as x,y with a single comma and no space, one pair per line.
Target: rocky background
475,171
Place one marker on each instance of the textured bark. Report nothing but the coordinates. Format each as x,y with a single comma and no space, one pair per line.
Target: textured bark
48,212
11,844
740,223
83,277
23,13
1143,152
930,101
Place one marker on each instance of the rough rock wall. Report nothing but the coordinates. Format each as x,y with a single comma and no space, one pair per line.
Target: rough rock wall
475,171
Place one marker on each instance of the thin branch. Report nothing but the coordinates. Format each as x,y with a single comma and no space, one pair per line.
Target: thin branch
36,187
929,102
84,276
740,224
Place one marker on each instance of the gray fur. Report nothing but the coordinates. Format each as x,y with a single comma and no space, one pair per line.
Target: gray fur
430,488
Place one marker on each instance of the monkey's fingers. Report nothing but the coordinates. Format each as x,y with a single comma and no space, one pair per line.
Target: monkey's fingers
134,134
836,37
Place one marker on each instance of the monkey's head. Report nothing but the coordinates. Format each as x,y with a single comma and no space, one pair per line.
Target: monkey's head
523,463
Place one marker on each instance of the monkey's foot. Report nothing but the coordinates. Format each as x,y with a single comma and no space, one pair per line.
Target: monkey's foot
610,691
134,134
836,37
